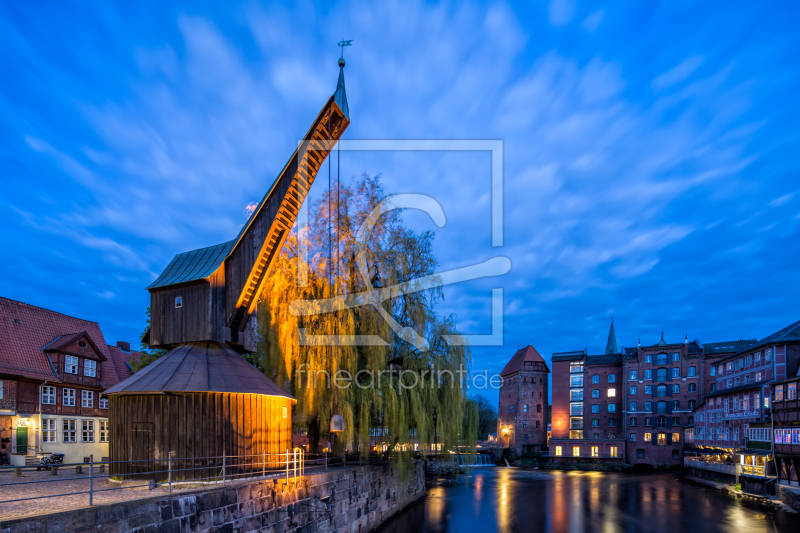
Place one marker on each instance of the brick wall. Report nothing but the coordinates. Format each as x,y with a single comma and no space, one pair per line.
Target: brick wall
363,498
518,390
607,423
9,400
560,416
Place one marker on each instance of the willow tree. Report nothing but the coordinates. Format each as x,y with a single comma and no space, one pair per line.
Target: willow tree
405,390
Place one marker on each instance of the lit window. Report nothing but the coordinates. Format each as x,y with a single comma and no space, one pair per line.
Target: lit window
612,393
791,391
576,451
778,393
594,451
68,398
87,430
48,395
178,302
49,430
71,365
285,413
613,451
89,368
662,439
69,430
558,451
648,437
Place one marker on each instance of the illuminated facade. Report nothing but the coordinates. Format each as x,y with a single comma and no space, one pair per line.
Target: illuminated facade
522,415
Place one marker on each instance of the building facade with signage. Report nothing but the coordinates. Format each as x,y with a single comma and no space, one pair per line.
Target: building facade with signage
53,368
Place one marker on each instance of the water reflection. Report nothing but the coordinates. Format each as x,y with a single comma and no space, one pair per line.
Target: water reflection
507,500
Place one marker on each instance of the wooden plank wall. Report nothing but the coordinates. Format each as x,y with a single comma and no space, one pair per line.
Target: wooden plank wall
190,323
197,427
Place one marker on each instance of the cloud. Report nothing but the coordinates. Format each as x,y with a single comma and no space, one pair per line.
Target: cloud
561,12
678,73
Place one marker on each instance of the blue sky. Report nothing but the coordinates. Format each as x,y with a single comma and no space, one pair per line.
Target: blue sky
650,165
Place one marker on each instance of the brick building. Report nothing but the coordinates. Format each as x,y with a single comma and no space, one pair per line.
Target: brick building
522,414
587,405
53,368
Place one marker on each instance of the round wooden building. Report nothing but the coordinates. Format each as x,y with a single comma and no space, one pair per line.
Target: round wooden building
201,401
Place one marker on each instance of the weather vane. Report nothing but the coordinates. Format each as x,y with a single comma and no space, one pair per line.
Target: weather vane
344,43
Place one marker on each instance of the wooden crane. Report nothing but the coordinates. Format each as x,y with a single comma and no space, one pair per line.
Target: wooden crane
210,294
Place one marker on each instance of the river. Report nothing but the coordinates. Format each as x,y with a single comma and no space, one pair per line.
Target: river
510,500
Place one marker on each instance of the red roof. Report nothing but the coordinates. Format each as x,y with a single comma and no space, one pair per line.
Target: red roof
25,331
527,353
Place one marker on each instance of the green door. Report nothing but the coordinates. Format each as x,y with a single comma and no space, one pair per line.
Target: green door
22,440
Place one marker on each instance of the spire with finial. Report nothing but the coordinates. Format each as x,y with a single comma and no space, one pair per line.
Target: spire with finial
662,342
611,344
686,339
340,97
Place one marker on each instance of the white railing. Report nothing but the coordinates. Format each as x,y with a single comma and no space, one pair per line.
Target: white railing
724,468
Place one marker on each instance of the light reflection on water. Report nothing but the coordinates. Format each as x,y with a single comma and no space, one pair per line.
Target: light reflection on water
507,500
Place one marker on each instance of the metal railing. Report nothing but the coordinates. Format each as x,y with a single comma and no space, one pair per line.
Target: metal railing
224,469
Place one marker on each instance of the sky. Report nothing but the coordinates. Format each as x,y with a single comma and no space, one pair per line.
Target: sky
650,163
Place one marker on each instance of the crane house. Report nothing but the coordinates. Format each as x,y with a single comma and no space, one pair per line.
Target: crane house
202,399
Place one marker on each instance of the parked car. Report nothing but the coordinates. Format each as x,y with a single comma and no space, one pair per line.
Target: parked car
48,461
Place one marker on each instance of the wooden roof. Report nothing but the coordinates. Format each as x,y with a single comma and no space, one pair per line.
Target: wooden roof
193,265
199,367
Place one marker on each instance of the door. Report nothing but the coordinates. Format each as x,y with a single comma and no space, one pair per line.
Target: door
141,449
22,440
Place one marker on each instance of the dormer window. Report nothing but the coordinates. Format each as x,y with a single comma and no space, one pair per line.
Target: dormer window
89,368
71,365
178,302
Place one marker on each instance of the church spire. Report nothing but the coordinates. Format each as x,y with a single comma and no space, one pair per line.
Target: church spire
611,345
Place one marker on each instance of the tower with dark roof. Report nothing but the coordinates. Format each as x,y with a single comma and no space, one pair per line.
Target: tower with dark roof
522,415
611,344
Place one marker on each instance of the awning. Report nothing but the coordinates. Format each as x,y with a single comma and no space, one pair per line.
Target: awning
753,452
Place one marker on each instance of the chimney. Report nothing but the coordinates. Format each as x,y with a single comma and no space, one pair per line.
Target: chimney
124,346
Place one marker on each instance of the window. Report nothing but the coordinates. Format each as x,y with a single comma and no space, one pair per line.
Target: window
758,376
71,365
524,423
713,371
538,408
691,405
576,423
648,389
661,421
661,390
662,374
595,422
68,398
513,408
48,396
778,393
633,390
576,451
87,430
595,379
661,359
576,381
648,421
662,439
612,408
713,387
612,378
87,398
558,451
676,372
595,408
104,431
595,394
525,408
766,401
648,358
594,451
648,437
676,357
633,421
285,413
1,389
676,404
537,424
676,421
68,427
612,393
89,368
661,407
596,436
767,355
576,408
633,437
612,422
692,371
648,374
648,406
576,367
178,302
103,403
49,429
509,408
634,374
791,391
692,387
576,395
613,451
690,422
633,406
